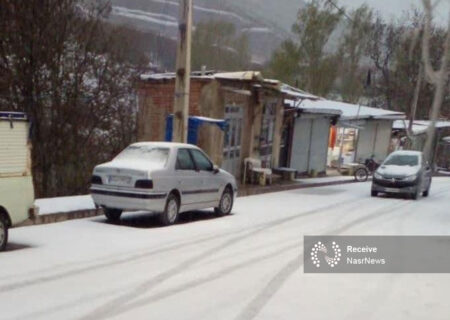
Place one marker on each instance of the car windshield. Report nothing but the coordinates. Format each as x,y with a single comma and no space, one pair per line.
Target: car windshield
157,156
403,160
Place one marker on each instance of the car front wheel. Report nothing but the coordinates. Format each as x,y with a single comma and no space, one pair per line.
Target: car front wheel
226,203
426,193
112,215
415,195
3,232
171,210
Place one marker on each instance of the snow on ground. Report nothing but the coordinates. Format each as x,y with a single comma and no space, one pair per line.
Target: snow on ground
64,204
244,266
160,19
326,179
147,16
257,30
76,203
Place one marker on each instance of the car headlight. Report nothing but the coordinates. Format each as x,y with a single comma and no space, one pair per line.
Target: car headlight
377,176
411,178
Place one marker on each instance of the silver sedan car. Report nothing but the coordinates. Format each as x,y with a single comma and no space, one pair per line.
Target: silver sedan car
163,177
403,172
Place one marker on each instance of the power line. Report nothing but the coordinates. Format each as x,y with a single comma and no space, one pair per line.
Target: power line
342,11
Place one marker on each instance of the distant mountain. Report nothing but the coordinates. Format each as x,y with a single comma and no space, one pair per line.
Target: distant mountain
266,22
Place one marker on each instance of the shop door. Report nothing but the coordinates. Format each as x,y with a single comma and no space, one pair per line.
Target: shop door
267,132
285,145
232,141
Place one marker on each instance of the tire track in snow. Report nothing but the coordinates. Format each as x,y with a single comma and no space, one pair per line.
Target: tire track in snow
274,285
89,268
116,304
206,279
350,201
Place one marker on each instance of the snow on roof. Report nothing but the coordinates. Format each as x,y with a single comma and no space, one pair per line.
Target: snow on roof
439,124
419,126
207,119
297,105
349,111
297,93
171,75
242,76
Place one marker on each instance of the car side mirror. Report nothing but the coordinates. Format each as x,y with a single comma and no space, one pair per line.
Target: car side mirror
216,169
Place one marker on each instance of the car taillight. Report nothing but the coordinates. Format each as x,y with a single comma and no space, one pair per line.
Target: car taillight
96,180
144,184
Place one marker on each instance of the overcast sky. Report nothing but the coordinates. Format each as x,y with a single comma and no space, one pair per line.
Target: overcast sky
395,8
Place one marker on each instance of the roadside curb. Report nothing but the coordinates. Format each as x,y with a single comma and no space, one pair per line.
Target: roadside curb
61,217
80,214
287,187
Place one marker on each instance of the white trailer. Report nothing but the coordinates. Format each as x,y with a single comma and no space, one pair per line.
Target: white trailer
16,182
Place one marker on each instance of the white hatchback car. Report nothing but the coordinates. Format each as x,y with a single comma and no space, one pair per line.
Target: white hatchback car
163,177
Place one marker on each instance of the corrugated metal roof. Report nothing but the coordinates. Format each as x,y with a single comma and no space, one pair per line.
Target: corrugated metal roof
419,126
349,111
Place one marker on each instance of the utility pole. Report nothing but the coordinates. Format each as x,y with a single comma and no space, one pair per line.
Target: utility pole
183,73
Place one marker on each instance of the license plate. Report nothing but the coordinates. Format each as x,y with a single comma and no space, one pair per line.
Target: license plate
119,180
391,190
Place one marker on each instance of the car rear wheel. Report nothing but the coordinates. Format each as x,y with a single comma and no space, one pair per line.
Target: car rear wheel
112,215
225,204
426,193
361,175
374,193
3,232
171,210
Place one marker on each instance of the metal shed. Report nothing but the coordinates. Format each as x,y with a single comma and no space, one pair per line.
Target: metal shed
306,135
310,143
371,129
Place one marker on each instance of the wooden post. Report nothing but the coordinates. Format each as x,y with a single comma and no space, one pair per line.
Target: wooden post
183,74
341,149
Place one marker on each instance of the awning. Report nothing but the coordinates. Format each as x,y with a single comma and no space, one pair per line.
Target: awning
193,124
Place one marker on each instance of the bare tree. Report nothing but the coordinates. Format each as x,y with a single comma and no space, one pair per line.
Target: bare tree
382,45
67,69
438,78
352,49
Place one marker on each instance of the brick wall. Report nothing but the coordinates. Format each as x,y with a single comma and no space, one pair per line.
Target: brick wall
156,100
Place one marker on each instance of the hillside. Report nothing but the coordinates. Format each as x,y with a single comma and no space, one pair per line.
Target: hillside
267,23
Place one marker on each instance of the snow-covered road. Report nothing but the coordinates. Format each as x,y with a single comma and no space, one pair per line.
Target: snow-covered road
244,266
